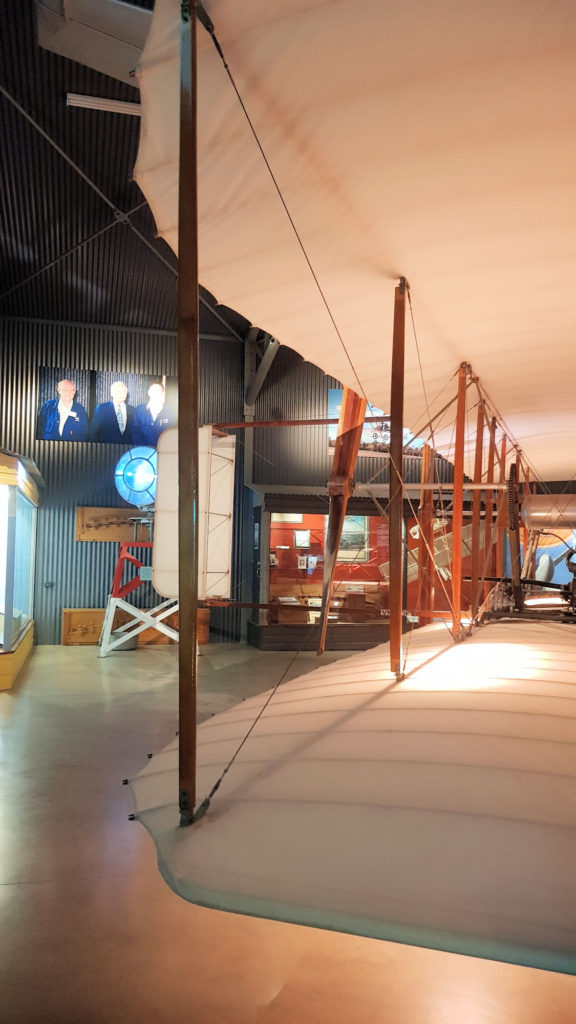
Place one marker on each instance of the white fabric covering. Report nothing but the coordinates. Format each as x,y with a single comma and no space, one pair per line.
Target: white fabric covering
435,140
216,460
440,811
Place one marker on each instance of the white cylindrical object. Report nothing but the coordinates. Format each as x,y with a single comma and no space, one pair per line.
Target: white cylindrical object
549,510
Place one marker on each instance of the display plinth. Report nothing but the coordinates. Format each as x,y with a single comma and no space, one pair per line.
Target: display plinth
12,662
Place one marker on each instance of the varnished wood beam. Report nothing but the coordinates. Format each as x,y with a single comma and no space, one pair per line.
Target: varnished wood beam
426,540
476,509
458,502
395,508
350,425
502,504
489,505
188,422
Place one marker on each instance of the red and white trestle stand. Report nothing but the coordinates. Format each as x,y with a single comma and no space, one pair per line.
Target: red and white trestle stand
110,638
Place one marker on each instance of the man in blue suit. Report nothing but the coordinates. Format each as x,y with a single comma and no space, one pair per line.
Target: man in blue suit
63,418
112,421
151,419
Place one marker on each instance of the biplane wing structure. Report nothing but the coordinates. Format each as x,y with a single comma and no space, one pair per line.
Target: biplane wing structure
433,140
340,147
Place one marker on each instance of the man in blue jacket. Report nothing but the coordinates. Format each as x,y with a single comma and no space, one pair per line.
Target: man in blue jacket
151,419
63,418
112,421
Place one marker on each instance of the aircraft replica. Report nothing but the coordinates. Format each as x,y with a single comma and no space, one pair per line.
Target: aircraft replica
352,167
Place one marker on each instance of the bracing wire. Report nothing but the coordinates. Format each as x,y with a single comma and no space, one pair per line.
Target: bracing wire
424,389
205,804
211,31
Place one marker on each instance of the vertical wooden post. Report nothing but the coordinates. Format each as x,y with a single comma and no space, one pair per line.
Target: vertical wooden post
458,502
396,505
426,539
352,414
524,531
188,392
488,532
476,506
502,506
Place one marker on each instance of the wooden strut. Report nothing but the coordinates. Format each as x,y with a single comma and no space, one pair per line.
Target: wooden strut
426,540
188,420
395,507
527,542
348,439
322,421
489,505
457,503
498,566
325,421
476,509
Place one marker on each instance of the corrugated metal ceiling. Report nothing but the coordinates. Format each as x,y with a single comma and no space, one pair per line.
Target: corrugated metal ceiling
74,249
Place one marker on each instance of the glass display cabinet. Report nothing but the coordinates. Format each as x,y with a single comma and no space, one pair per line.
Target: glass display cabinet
18,509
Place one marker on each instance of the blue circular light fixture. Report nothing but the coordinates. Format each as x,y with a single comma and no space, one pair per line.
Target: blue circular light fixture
135,476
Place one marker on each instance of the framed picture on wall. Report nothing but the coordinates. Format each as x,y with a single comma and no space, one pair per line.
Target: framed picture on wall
301,538
109,406
354,542
375,439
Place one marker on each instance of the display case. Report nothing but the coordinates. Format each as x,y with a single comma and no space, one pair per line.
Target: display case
296,569
290,594
18,509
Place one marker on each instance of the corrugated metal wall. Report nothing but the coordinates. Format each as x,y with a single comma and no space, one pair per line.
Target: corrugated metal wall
78,574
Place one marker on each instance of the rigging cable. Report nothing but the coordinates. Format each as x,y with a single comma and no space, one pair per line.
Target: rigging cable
208,25
200,811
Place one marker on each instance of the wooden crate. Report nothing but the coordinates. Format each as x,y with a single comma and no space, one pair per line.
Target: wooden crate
82,625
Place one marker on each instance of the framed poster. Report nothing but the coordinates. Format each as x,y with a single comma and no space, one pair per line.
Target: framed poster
301,538
354,542
375,439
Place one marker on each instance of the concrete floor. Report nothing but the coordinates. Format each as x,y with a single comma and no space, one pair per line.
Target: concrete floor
90,933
